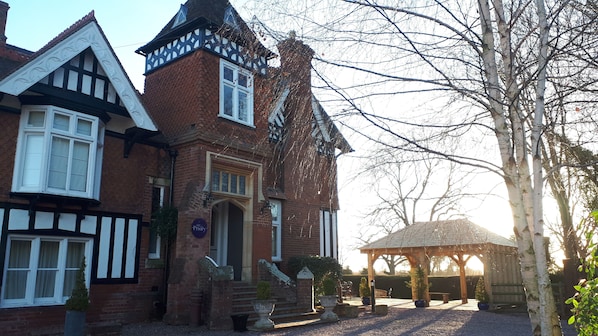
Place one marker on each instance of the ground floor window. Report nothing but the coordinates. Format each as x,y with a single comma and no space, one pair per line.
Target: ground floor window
276,209
328,234
155,241
42,270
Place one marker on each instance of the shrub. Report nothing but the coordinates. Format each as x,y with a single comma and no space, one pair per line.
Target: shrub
79,300
329,286
418,282
321,267
364,288
585,301
480,291
263,290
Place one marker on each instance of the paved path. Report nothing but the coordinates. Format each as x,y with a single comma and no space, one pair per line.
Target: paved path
450,319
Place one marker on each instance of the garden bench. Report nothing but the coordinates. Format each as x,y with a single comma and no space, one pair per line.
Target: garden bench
445,296
383,293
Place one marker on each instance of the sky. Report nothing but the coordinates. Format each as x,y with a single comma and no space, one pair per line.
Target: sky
129,24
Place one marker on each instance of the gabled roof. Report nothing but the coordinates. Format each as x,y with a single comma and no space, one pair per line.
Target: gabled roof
328,128
325,127
457,232
211,14
85,33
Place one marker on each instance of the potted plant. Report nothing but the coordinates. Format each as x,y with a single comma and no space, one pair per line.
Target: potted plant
419,286
263,306
77,305
329,299
364,291
481,295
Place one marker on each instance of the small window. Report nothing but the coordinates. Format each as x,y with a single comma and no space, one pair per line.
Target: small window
154,240
42,270
236,93
228,182
276,210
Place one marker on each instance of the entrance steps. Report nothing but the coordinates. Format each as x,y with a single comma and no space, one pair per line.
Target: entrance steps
285,313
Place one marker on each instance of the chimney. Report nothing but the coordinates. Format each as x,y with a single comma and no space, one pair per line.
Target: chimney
295,64
3,16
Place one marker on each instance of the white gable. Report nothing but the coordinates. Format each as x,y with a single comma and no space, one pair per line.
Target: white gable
88,36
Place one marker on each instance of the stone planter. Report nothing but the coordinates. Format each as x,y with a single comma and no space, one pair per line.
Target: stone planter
264,309
420,303
381,310
352,311
328,302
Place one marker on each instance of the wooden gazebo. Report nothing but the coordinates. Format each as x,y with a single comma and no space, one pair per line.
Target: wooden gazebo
457,239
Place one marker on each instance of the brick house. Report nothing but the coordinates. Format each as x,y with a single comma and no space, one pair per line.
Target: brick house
243,150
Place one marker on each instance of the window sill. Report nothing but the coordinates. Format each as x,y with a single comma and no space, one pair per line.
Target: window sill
236,121
35,198
154,263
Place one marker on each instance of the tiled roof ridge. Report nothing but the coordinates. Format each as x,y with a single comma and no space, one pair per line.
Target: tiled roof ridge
90,17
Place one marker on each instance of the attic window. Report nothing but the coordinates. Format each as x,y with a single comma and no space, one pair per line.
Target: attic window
181,16
229,18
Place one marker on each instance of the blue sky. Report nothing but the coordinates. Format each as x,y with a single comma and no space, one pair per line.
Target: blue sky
128,24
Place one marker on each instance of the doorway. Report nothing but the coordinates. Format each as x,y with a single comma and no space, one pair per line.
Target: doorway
226,236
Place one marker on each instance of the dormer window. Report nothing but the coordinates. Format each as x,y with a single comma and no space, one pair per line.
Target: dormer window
236,93
58,152
181,16
229,18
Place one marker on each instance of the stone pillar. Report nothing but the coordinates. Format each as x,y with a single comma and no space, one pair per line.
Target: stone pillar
221,305
305,290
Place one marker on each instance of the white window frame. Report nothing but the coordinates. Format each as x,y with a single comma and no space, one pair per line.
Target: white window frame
276,210
237,89
59,297
26,179
328,234
158,241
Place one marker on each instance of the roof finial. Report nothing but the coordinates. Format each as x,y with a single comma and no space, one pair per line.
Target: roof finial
292,34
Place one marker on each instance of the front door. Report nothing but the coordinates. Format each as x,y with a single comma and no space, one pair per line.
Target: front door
226,236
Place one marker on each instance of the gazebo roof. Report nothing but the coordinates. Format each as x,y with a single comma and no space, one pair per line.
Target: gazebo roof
445,233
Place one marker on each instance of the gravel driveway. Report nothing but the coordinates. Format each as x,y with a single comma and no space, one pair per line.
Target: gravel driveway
399,321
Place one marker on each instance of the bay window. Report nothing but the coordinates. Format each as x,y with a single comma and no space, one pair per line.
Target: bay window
42,270
58,152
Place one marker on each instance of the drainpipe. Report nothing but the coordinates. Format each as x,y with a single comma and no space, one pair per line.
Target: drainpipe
173,154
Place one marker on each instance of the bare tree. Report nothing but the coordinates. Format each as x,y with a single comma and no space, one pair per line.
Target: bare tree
409,187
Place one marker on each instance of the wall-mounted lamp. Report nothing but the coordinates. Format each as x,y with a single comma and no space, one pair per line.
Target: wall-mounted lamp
266,206
207,199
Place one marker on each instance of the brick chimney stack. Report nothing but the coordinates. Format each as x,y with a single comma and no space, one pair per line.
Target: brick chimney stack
295,61
3,17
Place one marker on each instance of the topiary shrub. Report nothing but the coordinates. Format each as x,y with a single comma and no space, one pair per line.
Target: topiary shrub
263,290
480,291
79,300
364,288
329,286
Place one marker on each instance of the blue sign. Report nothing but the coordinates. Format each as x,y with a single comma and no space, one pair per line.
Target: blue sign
199,228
